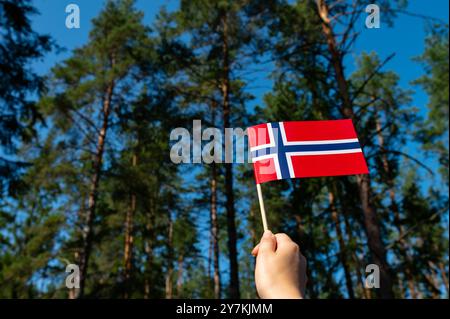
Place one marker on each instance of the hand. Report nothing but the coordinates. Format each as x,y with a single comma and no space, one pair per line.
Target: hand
280,271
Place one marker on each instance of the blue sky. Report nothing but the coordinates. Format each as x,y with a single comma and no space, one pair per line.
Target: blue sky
406,39
52,17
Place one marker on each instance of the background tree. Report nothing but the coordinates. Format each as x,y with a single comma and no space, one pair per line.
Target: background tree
20,45
91,88
435,61
223,39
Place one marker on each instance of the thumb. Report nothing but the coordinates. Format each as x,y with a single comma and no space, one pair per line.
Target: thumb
268,243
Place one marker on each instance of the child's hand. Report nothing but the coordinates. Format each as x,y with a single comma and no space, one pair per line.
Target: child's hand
280,271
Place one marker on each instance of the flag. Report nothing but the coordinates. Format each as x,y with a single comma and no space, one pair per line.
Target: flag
298,149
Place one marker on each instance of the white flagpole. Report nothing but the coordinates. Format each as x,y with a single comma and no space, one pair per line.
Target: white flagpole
261,206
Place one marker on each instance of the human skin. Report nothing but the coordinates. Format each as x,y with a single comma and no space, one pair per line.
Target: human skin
280,271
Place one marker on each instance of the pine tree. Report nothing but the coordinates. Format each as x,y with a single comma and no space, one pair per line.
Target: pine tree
91,88
20,45
387,117
222,38
345,15
434,135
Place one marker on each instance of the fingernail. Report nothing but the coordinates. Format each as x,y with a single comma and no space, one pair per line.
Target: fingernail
267,234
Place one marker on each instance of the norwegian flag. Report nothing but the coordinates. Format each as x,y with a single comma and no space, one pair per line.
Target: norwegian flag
305,149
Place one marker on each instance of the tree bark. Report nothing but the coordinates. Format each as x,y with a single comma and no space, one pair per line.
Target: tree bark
214,220
148,247
215,230
129,238
231,223
180,275
374,237
210,251
370,220
92,199
169,271
342,246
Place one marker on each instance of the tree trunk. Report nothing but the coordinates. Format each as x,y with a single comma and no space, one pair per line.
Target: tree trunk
129,238
210,252
180,275
169,271
342,247
214,219
370,220
92,200
374,237
215,230
148,247
231,223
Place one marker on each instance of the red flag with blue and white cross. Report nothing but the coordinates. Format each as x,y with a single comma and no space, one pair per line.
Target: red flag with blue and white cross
298,149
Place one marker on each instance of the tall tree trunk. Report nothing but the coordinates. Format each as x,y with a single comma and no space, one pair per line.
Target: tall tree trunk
148,247
396,213
374,238
210,252
231,223
180,275
215,230
92,200
214,219
129,238
342,246
169,271
370,220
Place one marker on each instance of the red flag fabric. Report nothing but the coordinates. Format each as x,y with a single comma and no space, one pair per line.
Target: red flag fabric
298,149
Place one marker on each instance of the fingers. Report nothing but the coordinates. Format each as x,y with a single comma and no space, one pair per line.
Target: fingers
285,244
282,241
267,244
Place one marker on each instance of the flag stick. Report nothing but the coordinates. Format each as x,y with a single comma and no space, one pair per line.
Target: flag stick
261,207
